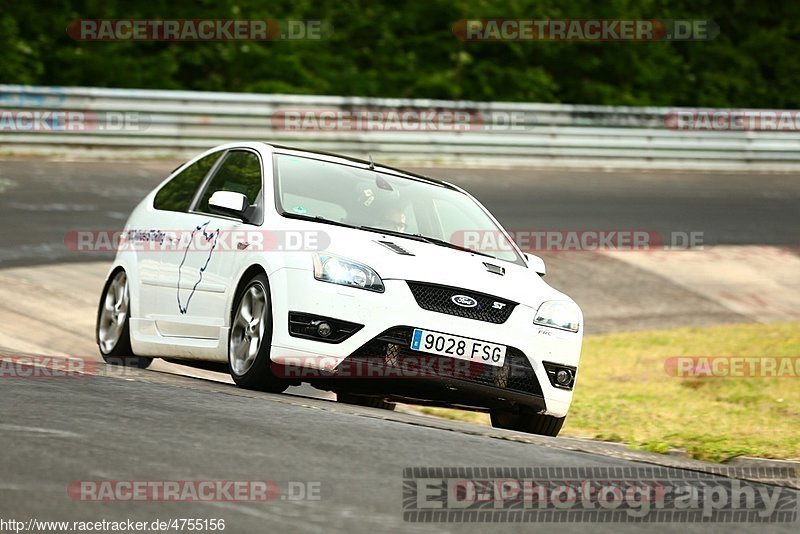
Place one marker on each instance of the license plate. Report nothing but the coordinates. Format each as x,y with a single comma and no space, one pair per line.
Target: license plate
462,348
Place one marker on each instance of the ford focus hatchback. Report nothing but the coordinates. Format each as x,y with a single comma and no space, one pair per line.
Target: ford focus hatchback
285,266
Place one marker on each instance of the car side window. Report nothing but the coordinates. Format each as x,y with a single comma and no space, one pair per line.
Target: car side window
178,193
240,172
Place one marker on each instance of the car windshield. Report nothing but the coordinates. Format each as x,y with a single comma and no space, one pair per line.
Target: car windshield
371,199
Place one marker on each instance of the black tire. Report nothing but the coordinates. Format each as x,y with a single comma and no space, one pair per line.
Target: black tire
365,400
531,423
258,376
119,351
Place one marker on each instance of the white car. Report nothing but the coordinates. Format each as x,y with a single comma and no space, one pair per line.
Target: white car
284,266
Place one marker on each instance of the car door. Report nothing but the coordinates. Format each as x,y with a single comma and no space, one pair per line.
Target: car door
197,270
159,226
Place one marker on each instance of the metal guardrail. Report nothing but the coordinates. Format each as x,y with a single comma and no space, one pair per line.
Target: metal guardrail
158,123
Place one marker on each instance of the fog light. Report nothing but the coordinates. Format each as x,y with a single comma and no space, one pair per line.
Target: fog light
564,377
561,376
324,329
318,328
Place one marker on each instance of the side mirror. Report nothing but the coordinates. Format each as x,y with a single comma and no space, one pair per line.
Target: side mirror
536,263
229,203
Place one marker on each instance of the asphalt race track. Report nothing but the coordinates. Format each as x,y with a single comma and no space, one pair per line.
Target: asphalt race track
159,425
145,426
53,197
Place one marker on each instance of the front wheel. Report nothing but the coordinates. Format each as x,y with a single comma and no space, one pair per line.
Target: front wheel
532,423
113,324
251,338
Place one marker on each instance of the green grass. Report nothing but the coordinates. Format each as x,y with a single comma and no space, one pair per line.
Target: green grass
625,395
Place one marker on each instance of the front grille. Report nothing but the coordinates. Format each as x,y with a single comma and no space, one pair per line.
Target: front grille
438,298
391,350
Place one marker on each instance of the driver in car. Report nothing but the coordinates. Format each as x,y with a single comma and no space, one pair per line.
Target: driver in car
385,209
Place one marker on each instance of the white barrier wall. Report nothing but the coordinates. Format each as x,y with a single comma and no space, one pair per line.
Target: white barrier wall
97,122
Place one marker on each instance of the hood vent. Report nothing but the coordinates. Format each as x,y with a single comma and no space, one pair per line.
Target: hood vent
394,247
496,269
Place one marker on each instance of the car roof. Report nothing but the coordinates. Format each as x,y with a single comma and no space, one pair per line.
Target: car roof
282,149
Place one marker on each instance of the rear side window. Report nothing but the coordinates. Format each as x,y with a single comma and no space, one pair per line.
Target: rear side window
240,173
178,193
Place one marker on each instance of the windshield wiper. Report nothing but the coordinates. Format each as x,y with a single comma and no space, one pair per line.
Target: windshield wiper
448,244
316,218
426,239
396,233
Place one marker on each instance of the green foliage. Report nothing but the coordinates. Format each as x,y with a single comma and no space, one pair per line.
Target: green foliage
407,49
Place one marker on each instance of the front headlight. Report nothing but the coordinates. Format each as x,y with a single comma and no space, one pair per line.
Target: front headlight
561,314
338,270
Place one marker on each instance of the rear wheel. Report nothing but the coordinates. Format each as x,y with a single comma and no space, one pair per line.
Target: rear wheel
113,324
532,423
365,400
251,338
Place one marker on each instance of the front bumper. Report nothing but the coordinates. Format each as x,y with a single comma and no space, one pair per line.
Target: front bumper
296,290
393,369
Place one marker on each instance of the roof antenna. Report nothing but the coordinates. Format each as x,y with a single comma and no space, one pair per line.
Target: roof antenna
371,163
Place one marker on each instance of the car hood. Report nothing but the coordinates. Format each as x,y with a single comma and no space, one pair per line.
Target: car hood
436,264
